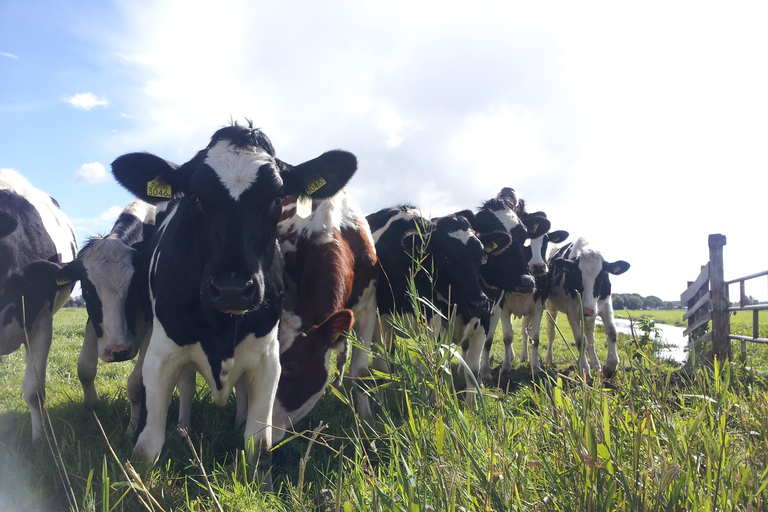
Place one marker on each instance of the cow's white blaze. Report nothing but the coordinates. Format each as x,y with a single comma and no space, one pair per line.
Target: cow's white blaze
236,168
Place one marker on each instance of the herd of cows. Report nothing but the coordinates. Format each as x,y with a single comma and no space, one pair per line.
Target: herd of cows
250,271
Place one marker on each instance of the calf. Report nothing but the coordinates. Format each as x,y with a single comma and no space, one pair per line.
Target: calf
449,255
330,267
216,273
35,239
580,286
529,306
117,322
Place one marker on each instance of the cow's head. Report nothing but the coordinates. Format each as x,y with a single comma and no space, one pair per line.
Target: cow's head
536,251
589,274
304,359
230,196
457,254
507,269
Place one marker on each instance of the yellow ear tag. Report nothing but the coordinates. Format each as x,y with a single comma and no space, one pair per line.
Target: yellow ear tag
534,228
491,247
303,206
62,282
616,269
315,186
159,188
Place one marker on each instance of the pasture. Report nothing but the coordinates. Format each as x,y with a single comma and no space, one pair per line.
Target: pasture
659,438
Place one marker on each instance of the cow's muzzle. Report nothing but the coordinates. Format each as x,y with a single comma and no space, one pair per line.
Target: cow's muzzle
479,307
230,295
527,284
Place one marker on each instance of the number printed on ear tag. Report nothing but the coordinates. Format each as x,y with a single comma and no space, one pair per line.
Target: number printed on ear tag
159,188
303,206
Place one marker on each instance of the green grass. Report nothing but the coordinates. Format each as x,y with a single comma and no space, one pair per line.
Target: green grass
658,438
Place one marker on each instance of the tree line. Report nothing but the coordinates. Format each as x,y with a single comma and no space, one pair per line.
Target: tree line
636,301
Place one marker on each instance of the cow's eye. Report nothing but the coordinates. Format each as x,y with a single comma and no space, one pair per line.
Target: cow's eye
289,368
278,203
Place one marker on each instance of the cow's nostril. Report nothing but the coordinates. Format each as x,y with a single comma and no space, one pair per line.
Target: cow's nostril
250,289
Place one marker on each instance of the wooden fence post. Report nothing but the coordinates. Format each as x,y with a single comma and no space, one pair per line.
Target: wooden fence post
721,345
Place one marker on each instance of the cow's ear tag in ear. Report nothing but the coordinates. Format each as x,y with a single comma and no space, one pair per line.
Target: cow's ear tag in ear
61,281
491,247
303,206
159,188
315,185
534,228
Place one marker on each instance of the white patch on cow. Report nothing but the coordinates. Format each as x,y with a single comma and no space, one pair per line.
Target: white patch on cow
536,256
508,219
56,224
236,168
141,210
282,420
290,325
408,215
328,218
463,236
109,264
590,264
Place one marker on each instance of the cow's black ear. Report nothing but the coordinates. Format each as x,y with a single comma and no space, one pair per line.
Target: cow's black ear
467,214
8,224
565,265
320,178
558,236
537,225
41,274
69,273
495,242
149,177
616,268
413,242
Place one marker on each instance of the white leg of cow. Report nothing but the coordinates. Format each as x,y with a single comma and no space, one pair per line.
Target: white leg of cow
476,339
365,325
241,402
135,379
383,339
485,364
578,336
161,371
342,352
261,386
551,319
612,361
509,339
87,365
34,376
187,389
589,338
532,334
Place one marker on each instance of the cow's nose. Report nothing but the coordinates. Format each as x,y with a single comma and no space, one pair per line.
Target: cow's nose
527,284
119,352
539,269
479,306
589,312
231,294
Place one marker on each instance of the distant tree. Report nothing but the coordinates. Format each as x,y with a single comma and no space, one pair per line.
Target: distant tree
618,301
75,302
633,301
652,302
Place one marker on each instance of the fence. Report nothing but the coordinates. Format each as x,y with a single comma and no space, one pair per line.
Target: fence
707,299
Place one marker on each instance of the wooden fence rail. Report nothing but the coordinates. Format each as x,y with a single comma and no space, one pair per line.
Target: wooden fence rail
707,299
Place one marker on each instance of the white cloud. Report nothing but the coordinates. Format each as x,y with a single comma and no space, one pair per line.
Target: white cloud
94,172
9,55
86,101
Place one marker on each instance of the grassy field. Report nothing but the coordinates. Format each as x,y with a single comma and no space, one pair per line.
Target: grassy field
657,438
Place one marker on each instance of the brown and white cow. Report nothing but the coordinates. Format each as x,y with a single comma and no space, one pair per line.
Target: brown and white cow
331,272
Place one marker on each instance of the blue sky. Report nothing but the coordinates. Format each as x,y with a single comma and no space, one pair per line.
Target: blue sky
601,114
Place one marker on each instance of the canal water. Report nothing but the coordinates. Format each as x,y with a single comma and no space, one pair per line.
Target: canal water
672,335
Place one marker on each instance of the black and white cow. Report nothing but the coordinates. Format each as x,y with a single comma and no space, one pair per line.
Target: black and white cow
117,319
581,285
529,306
506,275
331,271
216,272
447,246
35,239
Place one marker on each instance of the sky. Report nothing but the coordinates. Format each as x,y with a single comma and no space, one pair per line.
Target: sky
642,127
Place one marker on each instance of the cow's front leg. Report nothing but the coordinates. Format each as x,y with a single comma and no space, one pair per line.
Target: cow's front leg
589,338
187,387
87,365
261,384
34,375
161,371
581,345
